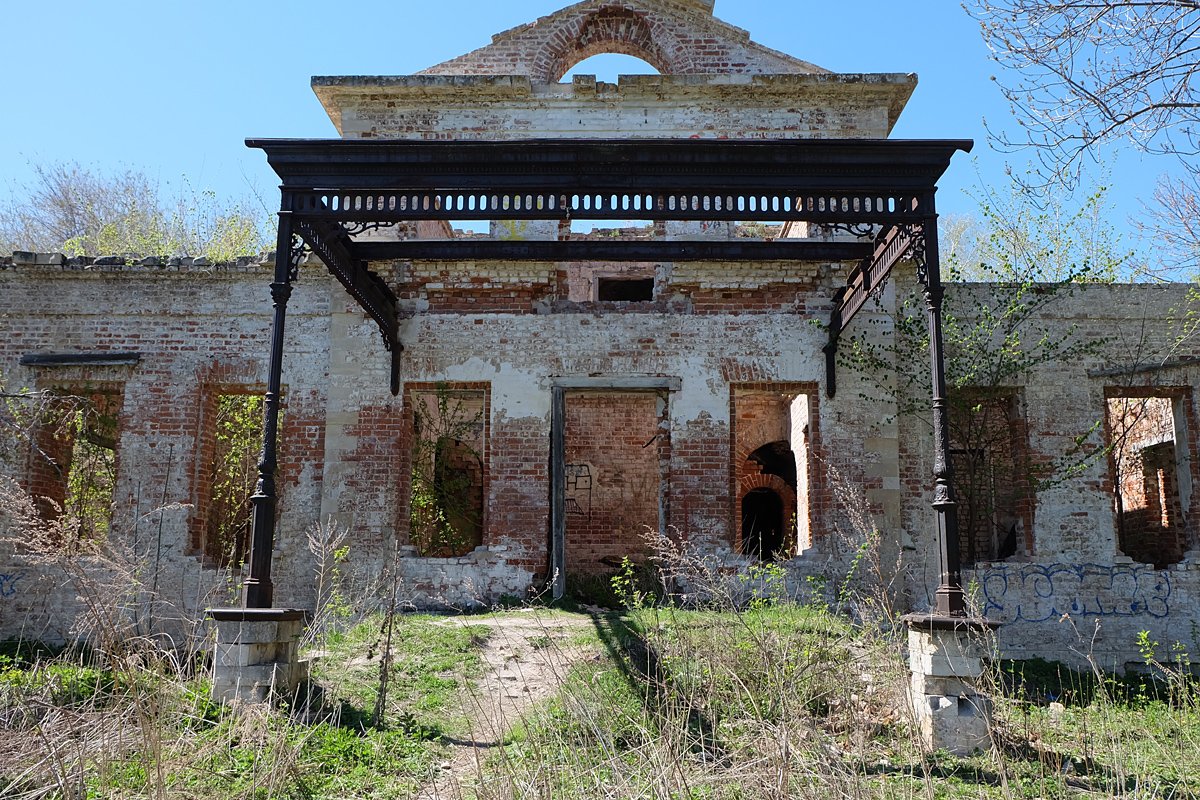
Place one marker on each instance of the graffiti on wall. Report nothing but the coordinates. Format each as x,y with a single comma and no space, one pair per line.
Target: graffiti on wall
8,583
1041,592
579,489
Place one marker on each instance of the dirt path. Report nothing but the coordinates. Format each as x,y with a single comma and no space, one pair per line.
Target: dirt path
526,656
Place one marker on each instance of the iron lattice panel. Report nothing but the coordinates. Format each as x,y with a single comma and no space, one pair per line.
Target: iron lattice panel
764,206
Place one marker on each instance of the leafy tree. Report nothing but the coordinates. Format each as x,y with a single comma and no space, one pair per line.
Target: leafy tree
78,211
1024,257
1023,234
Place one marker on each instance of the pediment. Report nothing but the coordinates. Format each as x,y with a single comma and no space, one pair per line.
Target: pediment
677,37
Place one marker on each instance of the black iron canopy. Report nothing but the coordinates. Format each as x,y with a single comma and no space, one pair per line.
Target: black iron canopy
334,189
880,191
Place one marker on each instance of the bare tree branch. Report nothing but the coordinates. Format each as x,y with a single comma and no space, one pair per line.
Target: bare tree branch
72,209
1079,74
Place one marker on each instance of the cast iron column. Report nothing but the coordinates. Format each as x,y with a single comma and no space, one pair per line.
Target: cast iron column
257,591
948,600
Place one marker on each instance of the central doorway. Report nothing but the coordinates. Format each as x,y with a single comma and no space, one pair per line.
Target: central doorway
610,459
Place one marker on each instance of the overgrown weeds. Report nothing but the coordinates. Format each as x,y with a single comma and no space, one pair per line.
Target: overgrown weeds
709,683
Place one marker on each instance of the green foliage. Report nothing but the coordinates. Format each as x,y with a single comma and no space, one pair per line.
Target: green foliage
60,682
91,473
777,701
1025,258
428,663
765,584
79,211
1040,237
232,474
446,501
632,586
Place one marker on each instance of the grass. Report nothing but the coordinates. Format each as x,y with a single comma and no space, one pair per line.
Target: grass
766,701
789,701
431,663
73,727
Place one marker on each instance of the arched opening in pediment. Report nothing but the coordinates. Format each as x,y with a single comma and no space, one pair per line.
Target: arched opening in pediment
614,30
608,67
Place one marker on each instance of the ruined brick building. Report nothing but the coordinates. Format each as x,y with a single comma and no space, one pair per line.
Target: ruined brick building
695,395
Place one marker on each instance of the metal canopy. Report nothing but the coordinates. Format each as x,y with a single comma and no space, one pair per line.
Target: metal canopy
334,189
795,166
879,191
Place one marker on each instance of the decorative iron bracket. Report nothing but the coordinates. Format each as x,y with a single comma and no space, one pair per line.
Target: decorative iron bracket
332,245
353,229
892,245
297,253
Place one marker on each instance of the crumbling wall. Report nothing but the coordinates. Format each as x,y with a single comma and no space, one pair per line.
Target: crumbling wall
196,328
677,37
642,106
711,327
1072,593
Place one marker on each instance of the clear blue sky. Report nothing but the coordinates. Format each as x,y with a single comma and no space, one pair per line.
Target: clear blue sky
174,88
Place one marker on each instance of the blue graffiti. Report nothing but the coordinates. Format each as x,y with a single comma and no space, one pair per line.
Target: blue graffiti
8,583
1041,592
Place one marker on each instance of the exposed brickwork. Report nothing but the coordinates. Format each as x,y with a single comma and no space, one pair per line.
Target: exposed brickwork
1144,459
990,449
732,341
614,437
675,38
197,329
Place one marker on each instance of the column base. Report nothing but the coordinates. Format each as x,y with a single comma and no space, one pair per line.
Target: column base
256,658
945,655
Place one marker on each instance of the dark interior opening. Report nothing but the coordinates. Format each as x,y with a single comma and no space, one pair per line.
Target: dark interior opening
458,495
762,524
777,459
625,289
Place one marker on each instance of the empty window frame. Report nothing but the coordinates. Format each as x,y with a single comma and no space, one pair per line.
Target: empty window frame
771,427
625,290
1151,472
228,451
447,481
989,447
73,466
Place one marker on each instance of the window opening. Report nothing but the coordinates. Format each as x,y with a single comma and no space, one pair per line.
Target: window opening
229,477
991,489
625,289
446,502
763,525
75,463
772,449
608,67
1151,486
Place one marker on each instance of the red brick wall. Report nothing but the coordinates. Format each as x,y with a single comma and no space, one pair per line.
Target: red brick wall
673,41
519,497
617,437
1141,428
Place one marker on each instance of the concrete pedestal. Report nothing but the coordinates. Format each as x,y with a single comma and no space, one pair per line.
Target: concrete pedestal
257,653
945,655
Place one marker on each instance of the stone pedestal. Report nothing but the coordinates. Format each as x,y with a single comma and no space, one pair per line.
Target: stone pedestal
945,655
257,658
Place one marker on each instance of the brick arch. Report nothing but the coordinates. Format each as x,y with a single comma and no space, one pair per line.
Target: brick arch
612,29
749,478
